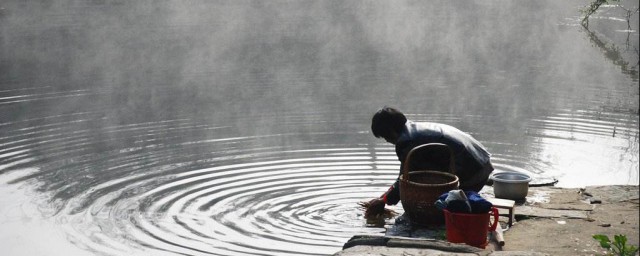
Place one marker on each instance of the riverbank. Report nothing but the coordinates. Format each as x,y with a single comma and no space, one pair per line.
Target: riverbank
552,221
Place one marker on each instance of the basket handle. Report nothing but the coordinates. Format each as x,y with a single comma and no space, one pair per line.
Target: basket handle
452,164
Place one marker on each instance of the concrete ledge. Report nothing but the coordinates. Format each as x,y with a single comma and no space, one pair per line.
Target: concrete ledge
381,245
439,245
362,250
412,243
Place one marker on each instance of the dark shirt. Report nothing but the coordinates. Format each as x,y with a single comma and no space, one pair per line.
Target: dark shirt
471,157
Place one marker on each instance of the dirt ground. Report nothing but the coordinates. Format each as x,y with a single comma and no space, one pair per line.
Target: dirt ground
563,221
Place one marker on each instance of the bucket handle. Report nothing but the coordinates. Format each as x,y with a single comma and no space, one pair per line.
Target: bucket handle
496,215
452,164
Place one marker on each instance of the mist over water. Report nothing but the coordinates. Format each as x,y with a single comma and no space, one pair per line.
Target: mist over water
242,127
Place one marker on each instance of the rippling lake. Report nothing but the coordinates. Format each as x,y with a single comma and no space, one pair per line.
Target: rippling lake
204,127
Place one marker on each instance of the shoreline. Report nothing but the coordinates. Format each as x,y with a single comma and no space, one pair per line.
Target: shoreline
552,221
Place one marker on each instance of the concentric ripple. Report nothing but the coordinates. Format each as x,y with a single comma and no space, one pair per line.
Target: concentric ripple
292,206
147,189
234,201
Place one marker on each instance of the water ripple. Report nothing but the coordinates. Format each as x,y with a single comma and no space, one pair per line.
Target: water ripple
186,186
230,201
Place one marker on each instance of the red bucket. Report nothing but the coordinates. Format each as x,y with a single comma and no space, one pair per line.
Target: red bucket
470,228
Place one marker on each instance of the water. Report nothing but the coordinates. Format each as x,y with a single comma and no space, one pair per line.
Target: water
242,127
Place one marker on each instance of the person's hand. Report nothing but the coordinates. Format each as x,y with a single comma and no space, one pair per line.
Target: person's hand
375,207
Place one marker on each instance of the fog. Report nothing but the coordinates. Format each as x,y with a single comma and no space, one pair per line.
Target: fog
242,57
253,64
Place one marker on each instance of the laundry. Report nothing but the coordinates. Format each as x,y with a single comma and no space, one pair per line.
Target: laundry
463,202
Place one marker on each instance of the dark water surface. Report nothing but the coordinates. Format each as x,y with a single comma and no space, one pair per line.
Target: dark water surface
242,127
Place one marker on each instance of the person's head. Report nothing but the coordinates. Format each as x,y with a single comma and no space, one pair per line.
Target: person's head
388,123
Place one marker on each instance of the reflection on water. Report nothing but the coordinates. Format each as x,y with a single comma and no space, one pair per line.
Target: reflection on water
615,30
242,127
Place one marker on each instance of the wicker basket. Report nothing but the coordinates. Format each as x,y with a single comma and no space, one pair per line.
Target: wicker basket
419,189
